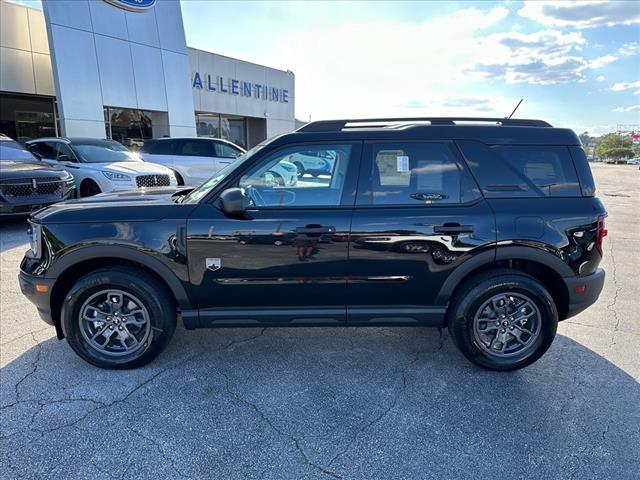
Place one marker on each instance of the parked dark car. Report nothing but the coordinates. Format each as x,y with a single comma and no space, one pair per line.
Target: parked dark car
28,184
490,228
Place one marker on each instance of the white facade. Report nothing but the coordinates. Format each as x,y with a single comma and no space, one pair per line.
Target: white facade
219,84
25,66
107,56
96,57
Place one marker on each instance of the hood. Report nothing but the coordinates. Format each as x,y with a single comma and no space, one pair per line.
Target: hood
134,205
129,168
9,169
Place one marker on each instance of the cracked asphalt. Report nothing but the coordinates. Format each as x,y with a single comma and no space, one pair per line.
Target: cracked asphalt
304,403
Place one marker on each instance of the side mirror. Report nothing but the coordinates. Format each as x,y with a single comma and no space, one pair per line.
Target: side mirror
233,202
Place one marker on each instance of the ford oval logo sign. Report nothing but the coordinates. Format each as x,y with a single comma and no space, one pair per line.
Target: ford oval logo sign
133,5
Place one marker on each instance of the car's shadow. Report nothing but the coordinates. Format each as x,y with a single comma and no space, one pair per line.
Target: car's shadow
13,233
317,403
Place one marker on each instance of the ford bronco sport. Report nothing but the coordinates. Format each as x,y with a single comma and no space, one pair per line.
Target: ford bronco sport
487,226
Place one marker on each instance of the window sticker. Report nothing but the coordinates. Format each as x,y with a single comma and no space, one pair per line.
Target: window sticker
402,163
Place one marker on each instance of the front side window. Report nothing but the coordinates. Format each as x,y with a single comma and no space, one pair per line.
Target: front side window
278,182
227,151
65,154
415,173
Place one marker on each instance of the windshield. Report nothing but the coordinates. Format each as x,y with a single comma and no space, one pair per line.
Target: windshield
105,152
200,192
11,151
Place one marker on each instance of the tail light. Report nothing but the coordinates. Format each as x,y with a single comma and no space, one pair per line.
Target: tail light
601,232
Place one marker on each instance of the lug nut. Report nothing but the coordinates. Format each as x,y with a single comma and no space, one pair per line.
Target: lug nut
511,327
502,330
110,327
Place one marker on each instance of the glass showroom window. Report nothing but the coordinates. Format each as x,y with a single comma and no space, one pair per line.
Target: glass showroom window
128,126
228,127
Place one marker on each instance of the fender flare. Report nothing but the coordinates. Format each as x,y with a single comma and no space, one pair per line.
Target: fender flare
75,257
539,254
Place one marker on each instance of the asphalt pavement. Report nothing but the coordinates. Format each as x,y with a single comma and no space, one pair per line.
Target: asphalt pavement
323,403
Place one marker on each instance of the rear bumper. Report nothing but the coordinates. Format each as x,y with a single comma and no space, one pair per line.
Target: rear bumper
584,291
41,299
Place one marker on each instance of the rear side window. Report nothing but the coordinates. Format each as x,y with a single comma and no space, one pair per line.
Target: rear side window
415,173
197,148
159,147
523,170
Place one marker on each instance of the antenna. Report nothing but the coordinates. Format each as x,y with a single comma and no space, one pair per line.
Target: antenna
514,110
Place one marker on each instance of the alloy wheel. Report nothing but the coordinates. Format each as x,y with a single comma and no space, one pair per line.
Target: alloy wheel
507,324
114,322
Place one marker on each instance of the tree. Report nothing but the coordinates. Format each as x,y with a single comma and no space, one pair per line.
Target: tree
585,138
616,146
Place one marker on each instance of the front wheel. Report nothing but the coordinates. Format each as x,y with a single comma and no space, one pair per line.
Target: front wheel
118,317
503,320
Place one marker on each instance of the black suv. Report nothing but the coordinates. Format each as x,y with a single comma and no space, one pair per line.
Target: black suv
487,226
27,183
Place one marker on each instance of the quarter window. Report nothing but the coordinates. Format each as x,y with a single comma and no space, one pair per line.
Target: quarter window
416,173
280,181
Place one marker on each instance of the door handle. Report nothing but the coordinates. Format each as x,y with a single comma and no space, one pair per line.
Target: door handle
453,229
319,229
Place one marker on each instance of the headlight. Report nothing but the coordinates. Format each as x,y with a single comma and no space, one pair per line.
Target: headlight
67,178
35,239
117,177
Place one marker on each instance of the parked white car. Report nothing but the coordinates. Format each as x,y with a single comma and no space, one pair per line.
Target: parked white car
101,165
194,160
314,163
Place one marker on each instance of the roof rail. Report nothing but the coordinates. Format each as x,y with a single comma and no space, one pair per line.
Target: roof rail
363,123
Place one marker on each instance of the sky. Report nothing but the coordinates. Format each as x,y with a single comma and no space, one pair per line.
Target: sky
575,64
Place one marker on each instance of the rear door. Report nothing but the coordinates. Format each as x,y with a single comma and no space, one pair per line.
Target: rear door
199,159
419,216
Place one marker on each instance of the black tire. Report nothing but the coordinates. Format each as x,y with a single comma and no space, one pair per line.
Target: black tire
89,188
155,298
479,290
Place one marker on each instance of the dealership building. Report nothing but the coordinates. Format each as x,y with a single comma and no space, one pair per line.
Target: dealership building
121,69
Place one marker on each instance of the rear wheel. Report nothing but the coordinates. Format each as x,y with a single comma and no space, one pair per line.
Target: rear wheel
502,320
118,317
89,188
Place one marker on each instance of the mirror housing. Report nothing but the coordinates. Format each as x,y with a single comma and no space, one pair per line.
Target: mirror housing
233,202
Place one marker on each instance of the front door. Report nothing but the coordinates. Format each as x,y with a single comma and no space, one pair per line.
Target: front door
418,217
287,260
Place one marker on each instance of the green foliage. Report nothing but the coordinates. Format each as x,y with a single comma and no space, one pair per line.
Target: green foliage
619,152
585,138
614,146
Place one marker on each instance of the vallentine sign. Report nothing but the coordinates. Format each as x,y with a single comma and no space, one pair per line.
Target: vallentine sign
133,5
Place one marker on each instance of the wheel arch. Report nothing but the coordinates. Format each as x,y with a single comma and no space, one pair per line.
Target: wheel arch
544,266
74,265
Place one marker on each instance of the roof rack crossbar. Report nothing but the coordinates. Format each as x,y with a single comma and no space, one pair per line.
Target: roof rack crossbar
338,125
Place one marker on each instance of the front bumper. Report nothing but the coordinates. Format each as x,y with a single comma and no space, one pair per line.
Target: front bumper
584,291
33,287
28,206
